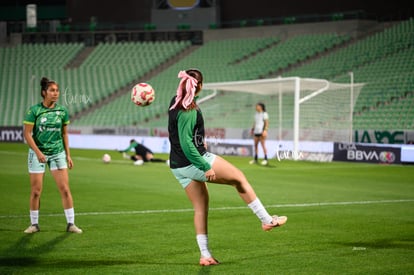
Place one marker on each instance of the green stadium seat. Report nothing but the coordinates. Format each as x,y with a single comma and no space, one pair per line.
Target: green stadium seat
384,61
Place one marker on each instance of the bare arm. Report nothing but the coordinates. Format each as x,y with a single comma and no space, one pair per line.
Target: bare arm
65,138
266,127
28,128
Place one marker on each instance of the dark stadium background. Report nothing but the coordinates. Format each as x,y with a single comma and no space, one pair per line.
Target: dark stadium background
139,11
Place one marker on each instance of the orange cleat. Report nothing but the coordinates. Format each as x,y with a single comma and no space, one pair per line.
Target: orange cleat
277,221
208,261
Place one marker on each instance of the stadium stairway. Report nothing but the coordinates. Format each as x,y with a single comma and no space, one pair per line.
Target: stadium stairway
79,58
294,50
263,46
384,61
127,89
223,60
369,57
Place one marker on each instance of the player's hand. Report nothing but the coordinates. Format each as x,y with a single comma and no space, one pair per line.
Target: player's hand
41,157
210,175
264,134
70,162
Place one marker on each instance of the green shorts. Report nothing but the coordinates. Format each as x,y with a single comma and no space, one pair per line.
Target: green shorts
185,175
55,162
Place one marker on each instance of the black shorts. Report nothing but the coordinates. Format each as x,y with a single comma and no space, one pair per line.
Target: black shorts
258,135
142,151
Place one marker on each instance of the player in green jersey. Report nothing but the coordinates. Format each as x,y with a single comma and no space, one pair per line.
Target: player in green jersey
193,165
142,153
45,131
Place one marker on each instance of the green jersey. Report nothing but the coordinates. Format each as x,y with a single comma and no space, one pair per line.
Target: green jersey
186,135
47,127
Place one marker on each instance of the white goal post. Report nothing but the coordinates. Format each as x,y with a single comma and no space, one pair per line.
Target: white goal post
303,90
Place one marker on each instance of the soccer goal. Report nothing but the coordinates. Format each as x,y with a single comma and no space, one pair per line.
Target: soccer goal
301,109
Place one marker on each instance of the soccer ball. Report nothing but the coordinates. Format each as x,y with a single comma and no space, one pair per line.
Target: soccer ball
139,162
106,158
142,94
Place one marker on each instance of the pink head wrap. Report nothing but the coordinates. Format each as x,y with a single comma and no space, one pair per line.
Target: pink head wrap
188,83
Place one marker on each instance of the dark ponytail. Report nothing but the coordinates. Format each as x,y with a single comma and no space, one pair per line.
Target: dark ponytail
196,74
262,105
44,83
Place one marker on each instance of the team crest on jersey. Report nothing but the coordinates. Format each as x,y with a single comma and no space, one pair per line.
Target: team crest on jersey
57,113
43,120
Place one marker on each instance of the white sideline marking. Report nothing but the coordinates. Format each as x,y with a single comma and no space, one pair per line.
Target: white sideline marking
135,212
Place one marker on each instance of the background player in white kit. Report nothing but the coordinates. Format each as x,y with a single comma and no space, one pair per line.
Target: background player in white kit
259,131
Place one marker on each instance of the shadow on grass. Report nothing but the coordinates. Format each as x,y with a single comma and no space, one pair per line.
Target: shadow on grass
31,261
204,270
23,254
268,165
20,254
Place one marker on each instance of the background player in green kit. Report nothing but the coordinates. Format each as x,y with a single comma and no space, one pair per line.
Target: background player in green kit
45,130
142,153
193,166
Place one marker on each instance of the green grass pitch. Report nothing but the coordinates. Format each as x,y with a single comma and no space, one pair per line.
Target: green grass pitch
344,218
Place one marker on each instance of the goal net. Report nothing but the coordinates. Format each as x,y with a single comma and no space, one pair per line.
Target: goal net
300,109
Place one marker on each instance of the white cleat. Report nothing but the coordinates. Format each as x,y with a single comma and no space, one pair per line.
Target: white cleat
32,229
73,229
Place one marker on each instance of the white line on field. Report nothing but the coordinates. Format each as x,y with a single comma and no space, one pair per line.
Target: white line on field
135,212
348,165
